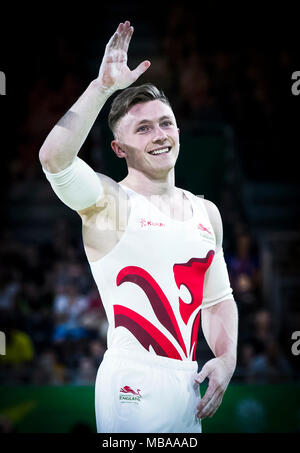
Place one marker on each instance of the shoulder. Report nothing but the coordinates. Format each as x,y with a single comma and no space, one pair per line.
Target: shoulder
215,220
110,186
113,194
212,211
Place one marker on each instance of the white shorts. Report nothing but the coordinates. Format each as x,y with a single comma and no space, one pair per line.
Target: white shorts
143,393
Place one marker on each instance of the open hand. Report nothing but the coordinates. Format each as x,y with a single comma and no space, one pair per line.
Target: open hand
114,73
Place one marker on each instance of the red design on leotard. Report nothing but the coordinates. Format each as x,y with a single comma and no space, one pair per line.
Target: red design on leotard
145,332
157,298
190,274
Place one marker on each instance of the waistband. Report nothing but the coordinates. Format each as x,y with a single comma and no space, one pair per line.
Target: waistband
150,359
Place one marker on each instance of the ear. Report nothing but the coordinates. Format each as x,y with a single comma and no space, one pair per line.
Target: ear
178,130
117,149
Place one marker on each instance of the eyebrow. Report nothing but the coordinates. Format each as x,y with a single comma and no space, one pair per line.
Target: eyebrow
164,117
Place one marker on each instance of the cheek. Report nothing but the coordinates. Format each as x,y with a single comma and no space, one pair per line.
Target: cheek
139,142
130,142
175,138
135,147
175,133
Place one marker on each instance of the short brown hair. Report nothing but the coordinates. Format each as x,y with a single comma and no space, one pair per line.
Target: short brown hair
131,96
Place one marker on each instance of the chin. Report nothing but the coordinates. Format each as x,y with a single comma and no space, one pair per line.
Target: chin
163,171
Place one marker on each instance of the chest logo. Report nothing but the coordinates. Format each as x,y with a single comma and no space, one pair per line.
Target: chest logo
203,228
145,223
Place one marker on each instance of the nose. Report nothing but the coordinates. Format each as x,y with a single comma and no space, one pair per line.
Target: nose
159,135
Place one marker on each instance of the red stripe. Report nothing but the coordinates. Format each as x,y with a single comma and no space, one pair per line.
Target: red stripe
156,297
156,335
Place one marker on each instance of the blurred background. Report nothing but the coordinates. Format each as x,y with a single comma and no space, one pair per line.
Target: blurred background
239,120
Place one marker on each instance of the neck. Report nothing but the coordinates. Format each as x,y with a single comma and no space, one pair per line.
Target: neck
147,185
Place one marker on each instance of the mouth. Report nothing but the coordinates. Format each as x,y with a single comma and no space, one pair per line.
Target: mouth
159,151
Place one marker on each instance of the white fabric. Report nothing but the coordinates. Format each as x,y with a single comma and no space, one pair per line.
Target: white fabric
216,283
152,253
77,186
159,394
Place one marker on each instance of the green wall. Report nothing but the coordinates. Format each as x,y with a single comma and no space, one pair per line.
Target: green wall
245,408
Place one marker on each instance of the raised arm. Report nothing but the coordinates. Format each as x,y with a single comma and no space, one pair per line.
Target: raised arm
68,135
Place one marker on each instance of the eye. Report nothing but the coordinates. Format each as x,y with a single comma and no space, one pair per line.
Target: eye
167,123
142,128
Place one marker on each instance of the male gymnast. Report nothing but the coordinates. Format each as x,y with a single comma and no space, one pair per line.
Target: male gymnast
155,252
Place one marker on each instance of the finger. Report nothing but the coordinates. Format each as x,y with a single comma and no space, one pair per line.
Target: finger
214,397
123,30
120,27
120,30
142,67
113,42
123,26
207,397
128,38
212,412
123,38
204,412
217,404
204,373
115,38
211,406
127,25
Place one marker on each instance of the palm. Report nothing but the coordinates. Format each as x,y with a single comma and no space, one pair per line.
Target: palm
114,72
114,69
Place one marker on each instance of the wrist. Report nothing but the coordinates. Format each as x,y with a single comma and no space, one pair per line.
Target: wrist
229,359
100,90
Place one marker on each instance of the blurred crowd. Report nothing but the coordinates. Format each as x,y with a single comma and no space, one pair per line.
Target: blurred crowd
245,85
263,356
50,309
51,313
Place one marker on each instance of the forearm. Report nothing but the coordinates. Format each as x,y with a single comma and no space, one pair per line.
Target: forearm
220,329
68,135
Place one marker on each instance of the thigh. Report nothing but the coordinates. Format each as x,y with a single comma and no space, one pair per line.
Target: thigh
123,397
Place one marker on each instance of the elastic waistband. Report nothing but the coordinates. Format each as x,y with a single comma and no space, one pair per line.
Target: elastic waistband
151,359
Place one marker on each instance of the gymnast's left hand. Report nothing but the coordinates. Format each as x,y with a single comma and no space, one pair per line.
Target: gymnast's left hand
219,372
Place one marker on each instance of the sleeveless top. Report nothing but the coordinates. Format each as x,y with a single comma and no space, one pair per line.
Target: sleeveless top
151,282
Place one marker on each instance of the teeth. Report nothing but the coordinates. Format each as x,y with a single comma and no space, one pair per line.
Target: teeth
160,151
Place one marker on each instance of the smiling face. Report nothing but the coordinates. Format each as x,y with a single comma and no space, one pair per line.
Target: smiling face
148,138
